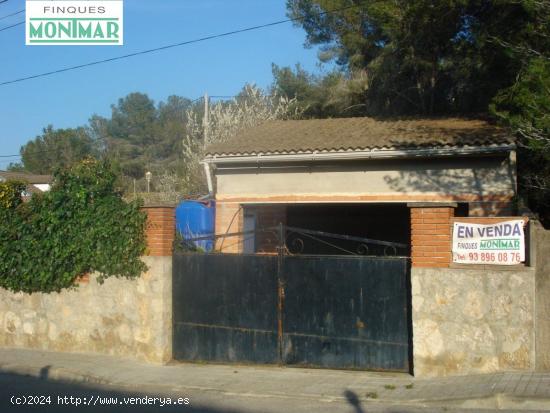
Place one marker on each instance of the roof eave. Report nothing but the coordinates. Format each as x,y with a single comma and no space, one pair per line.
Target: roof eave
360,155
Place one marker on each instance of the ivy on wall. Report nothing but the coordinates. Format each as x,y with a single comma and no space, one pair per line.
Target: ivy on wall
79,226
10,193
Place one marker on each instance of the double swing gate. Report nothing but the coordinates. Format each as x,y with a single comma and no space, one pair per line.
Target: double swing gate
334,311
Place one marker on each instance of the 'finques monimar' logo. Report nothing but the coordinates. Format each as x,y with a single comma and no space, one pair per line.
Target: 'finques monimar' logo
70,22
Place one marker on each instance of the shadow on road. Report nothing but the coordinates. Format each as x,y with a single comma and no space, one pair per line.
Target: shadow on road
354,401
55,396
14,388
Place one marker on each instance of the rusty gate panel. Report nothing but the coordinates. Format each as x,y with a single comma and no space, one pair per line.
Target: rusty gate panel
224,308
346,312
321,311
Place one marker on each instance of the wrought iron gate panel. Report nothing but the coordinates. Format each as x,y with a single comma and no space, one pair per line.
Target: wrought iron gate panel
346,312
224,308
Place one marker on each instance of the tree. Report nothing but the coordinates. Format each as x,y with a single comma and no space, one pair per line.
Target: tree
16,167
140,136
335,94
171,127
421,57
56,148
132,119
525,106
250,108
130,133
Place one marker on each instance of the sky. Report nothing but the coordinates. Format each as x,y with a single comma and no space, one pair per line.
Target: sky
219,67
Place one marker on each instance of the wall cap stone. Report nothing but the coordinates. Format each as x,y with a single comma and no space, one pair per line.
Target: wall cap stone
432,204
476,267
167,205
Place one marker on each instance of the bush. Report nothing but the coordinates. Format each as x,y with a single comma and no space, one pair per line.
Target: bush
81,225
10,193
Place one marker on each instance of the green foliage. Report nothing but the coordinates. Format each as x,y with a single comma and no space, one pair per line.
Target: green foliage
10,193
422,57
332,95
525,107
137,137
525,104
80,225
141,137
56,148
182,245
15,167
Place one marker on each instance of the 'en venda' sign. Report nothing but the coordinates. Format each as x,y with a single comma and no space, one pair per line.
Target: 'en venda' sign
74,22
501,243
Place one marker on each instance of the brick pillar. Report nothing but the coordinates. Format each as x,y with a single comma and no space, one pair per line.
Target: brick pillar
431,234
229,219
160,230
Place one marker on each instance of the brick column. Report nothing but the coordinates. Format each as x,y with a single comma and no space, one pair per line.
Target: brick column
160,230
431,234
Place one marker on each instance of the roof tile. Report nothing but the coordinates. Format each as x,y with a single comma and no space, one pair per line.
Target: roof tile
27,177
349,134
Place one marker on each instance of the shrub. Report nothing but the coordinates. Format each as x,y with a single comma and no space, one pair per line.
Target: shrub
10,193
81,225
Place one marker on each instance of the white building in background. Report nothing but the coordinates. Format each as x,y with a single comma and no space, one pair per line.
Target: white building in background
37,183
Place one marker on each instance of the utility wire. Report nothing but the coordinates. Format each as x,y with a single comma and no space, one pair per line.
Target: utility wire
231,97
13,25
105,137
94,141
170,46
238,96
12,14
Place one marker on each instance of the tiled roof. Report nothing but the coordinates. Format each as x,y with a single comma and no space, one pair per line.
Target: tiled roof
23,176
349,134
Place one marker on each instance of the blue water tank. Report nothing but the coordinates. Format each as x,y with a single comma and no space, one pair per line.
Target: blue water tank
196,219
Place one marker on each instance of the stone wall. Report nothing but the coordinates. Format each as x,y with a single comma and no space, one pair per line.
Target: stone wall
542,296
123,317
470,321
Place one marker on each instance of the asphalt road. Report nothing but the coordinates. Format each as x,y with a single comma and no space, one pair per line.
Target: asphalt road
17,391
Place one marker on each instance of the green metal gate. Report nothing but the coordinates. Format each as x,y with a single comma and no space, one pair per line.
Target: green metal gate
307,310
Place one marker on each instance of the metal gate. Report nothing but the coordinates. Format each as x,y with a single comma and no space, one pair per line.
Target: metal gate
308,310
